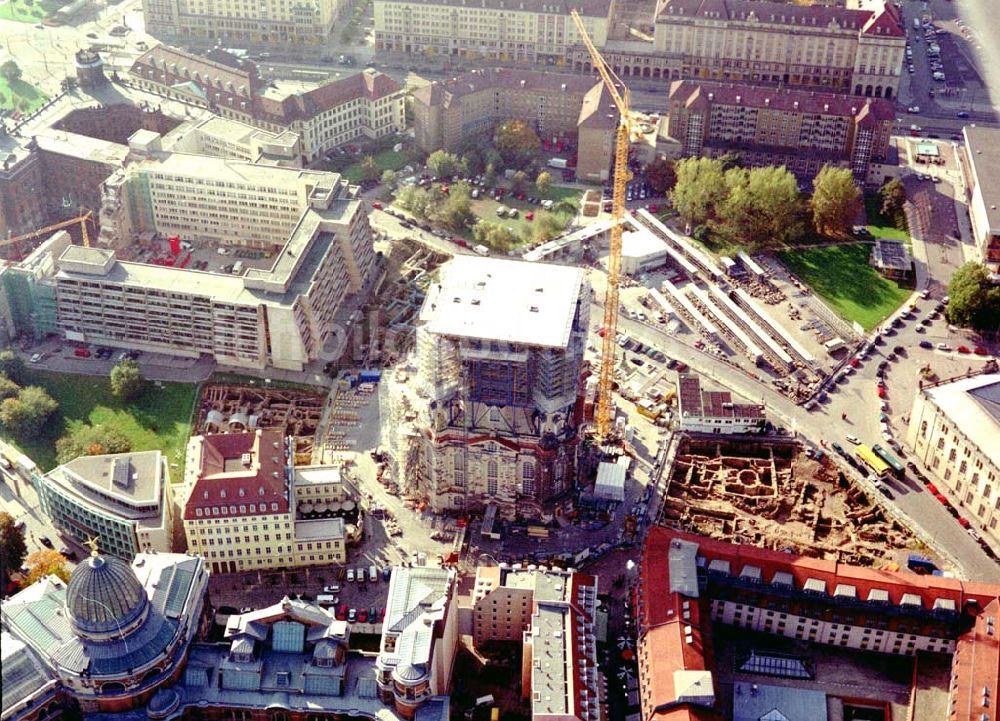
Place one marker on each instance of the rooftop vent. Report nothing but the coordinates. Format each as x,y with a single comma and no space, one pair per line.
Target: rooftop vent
246,459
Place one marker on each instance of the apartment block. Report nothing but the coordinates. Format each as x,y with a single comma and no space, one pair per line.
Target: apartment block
802,130
368,104
687,583
981,160
857,51
22,197
953,431
538,32
552,613
449,113
314,241
495,405
416,654
233,23
706,411
124,499
240,514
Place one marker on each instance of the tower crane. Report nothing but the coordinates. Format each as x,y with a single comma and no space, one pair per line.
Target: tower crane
82,219
619,92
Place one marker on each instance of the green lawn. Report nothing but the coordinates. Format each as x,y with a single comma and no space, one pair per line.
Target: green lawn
159,419
29,11
840,274
385,160
12,95
881,226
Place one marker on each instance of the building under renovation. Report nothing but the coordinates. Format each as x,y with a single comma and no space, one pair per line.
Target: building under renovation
492,413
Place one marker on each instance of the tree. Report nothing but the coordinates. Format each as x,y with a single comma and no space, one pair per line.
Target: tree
388,177
546,227
12,366
661,176
543,182
46,562
126,379
10,71
836,200
25,415
455,213
442,164
893,195
8,388
12,546
974,302
490,175
762,209
699,189
495,235
417,200
369,169
517,143
519,182
86,440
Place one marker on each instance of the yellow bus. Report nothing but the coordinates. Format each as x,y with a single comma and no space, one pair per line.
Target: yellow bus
871,459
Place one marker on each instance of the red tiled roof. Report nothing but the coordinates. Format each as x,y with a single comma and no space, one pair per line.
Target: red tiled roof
225,480
767,11
695,93
975,669
663,650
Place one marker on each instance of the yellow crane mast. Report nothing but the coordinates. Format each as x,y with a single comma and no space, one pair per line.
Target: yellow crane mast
81,219
619,92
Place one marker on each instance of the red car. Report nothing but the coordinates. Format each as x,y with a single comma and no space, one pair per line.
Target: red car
941,499
653,208
529,216
381,614
362,615
932,489
963,349
855,362
81,353
964,523
460,242
377,205
979,350
881,391
342,612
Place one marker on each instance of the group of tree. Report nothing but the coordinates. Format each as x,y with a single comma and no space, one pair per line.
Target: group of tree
23,409
127,382
756,208
759,208
661,176
452,210
14,554
973,299
893,199
87,440
10,71
517,144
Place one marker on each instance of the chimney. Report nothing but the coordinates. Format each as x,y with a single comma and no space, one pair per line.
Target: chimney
826,107
739,99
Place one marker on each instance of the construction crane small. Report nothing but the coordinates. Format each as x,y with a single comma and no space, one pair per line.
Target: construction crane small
81,219
619,93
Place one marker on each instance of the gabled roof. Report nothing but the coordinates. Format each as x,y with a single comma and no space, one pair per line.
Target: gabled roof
239,469
767,11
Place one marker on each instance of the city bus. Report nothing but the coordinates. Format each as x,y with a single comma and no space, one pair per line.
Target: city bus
867,456
894,464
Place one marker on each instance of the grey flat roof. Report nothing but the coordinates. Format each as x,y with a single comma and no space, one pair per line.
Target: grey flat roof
983,150
92,479
974,405
682,561
758,702
509,301
321,529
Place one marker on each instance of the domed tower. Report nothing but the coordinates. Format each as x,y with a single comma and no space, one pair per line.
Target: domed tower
104,598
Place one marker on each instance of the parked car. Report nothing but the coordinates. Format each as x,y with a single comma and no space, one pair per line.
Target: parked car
852,439
963,349
926,344
44,540
352,615
943,346
81,353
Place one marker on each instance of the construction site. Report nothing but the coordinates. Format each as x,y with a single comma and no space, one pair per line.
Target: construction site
225,408
771,494
395,301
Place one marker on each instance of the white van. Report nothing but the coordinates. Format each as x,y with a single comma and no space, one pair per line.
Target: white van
481,250
350,575
237,267
372,574
326,600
